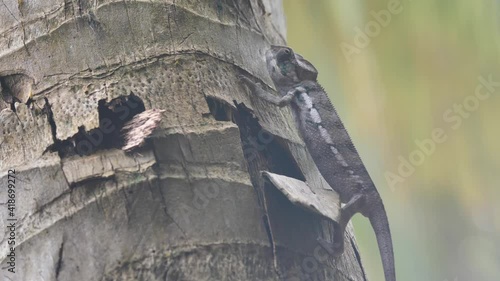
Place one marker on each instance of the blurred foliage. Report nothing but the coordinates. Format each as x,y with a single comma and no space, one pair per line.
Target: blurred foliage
392,93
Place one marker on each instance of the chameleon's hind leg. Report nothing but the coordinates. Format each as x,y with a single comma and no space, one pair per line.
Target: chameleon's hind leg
336,248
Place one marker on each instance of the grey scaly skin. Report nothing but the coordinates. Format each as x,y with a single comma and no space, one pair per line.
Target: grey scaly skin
330,147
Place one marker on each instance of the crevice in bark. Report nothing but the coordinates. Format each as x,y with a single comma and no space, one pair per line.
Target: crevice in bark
80,7
269,152
262,151
94,23
358,257
269,230
258,144
265,220
93,181
112,117
53,127
59,263
20,8
165,210
68,8
219,110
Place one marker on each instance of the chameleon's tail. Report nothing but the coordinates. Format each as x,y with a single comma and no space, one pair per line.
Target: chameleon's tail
380,224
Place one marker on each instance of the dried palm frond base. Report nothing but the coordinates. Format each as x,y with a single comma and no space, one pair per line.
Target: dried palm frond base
137,130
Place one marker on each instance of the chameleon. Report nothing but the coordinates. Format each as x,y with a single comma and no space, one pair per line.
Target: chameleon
330,147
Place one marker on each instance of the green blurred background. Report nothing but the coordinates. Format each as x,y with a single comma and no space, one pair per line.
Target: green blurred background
409,79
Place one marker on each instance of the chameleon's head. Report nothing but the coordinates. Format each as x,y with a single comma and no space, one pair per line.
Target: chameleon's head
288,68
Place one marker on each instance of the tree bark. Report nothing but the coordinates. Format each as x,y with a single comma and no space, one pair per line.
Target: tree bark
189,205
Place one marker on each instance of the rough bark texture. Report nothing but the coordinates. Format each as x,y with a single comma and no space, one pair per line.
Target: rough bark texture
191,204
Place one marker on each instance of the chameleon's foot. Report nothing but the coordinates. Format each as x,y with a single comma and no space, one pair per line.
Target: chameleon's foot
334,249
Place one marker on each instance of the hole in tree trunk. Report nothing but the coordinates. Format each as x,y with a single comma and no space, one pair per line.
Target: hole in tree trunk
112,116
262,150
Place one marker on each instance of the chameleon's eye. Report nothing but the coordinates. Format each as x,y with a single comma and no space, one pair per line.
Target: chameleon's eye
284,55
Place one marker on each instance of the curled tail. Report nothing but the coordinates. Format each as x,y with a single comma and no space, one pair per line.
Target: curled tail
380,225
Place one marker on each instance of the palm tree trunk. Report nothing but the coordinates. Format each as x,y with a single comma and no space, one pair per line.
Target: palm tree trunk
191,204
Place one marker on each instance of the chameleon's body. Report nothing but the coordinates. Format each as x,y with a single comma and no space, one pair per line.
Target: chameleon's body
330,147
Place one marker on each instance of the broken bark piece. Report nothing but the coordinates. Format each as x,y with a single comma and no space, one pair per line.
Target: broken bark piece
321,202
137,130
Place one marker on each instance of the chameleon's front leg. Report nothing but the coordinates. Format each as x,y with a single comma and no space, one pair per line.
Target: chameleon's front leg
336,248
257,89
